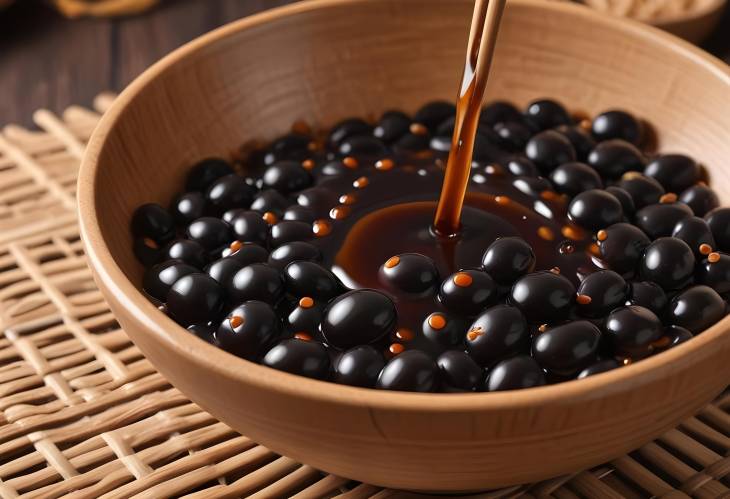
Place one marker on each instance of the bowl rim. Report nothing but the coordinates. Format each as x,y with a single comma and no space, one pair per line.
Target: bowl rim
154,322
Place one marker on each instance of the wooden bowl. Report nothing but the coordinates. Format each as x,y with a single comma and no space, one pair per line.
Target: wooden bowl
322,61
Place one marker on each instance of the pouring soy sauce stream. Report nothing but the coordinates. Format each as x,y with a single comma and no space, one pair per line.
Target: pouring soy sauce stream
480,50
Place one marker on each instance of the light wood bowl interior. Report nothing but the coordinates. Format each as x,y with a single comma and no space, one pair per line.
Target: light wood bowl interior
322,61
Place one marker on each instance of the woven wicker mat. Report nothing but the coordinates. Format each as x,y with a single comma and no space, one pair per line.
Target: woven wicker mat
85,415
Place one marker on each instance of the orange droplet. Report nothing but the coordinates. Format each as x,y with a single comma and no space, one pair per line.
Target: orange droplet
235,246
573,233
462,279
546,233
235,321
303,336
313,146
270,218
705,249
301,127
503,200
384,164
418,129
555,270
631,175
392,262
348,199
339,212
396,348
475,333
321,228
583,299
713,257
594,250
306,302
543,328
150,243
602,235
549,195
437,321
667,198
404,334
586,125
361,182
350,162
308,164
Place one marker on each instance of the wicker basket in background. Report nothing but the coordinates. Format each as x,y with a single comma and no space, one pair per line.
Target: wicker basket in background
692,20
96,8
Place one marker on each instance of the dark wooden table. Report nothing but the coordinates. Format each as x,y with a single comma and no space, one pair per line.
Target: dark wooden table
48,61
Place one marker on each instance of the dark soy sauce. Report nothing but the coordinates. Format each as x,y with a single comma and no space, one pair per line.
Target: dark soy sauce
482,38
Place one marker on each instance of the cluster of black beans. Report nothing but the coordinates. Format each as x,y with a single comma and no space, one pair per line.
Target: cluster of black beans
230,259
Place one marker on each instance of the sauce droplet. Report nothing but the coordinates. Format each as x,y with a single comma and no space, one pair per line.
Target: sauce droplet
308,164
384,164
303,336
396,348
475,333
235,246
321,228
392,262
713,257
350,162
705,249
235,321
668,198
462,279
270,218
339,212
306,302
360,183
546,233
418,129
549,195
583,299
347,199
404,334
573,233
437,321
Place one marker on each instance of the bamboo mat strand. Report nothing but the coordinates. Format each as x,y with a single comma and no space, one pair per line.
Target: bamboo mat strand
84,415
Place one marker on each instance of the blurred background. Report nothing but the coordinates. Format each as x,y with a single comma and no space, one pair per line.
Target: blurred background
54,53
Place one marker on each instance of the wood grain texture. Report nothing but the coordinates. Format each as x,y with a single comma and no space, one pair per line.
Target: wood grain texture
324,60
